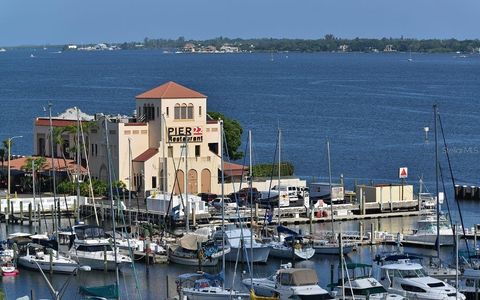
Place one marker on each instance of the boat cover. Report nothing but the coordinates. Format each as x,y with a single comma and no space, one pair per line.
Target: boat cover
104,291
297,277
191,241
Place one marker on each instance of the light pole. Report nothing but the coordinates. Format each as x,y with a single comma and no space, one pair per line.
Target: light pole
9,154
57,295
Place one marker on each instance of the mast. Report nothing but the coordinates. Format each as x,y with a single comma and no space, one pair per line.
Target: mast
77,207
164,160
187,205
110,183
130,179
437,244
330,186
279,171
54,175
223,202
34,204
251,203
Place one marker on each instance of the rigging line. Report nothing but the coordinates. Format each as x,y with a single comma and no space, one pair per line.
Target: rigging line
66,207
453,182
446,201
270,186
130,251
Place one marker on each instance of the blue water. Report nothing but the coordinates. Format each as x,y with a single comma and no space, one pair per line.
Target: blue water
372,107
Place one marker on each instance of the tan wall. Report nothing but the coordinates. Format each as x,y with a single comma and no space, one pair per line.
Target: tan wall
385,194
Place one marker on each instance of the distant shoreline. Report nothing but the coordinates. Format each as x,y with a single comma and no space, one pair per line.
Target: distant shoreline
327,44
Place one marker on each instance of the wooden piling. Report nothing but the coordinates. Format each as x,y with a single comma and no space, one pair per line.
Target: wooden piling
105,262
51,262
30,214
21,212
194,219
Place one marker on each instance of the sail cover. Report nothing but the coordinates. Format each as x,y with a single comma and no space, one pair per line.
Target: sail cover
191,241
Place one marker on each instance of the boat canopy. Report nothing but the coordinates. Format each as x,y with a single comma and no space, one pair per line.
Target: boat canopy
103,292
192,241
297,277
84,232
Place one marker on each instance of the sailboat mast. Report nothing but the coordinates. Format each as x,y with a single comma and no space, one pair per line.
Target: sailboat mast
34,204
223,202
187,211
77,207
251,203
130,180
279,170
53,176
112,212
330,186
435,112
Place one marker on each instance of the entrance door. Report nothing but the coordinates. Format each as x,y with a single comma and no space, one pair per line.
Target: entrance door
192,182
206,181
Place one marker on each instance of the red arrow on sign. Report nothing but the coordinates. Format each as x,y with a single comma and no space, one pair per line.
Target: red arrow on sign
403,172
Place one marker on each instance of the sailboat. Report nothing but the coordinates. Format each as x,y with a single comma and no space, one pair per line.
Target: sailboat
331,246
211,287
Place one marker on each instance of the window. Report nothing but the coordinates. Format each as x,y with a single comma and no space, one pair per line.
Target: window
183,111
154,182
168,111
200,111
148,112
412,288
197,150
170,151
93,149
158,112
190,111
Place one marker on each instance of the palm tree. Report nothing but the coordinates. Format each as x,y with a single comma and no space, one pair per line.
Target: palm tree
58,140
40,164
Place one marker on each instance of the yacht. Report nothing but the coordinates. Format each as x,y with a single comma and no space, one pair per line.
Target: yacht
36,257
289,283
426,232
239,239
290,245
91,247
361,285
410,280
203,286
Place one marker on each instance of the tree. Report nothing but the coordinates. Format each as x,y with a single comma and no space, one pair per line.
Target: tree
39,162
268,170
233,134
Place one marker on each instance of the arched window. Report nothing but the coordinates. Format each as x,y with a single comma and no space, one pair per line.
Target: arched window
183,111
190,111
177,111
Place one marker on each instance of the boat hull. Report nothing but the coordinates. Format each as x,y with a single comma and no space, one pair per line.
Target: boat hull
429,239
57,267
260,254
213,294
192,261
289,253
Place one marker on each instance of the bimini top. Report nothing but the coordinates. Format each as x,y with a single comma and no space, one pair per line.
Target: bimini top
297,277
403,266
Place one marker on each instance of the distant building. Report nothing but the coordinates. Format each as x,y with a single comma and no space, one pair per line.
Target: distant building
189,47
343,48
72,47
229,49
388,48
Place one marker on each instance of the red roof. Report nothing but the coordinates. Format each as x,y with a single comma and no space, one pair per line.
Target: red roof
232,169
16,164
149,153
55,122
170,90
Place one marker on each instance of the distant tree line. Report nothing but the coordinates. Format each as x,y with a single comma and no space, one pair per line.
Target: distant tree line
326,44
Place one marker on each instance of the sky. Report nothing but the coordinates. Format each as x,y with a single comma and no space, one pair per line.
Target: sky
42,22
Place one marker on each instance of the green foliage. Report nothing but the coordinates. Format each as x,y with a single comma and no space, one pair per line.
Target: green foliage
70,188
328,43
233,134
39,162
267,170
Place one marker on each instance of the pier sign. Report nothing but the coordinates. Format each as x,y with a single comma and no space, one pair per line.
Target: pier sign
403,173
182,134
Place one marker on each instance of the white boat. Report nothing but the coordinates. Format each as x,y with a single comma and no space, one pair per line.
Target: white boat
297,251
3,50
331,248
469,283
426,232
289,283
196,250
56,262
92,248
361,285
238,239
203,286
410,280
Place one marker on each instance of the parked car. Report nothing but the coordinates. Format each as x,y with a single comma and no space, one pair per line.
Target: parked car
207,197
229,203
245,195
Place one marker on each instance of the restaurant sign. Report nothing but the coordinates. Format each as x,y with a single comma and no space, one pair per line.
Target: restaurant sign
180,134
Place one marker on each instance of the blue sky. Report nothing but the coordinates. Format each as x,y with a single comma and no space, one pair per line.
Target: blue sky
66,21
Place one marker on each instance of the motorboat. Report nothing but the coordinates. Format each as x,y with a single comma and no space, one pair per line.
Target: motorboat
91,247
426,232
361,285
289,283
47,259
469,283
7,266
409,279
196,250
203,286
239,239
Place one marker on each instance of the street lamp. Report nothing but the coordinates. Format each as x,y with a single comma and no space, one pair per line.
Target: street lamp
10,146
57,295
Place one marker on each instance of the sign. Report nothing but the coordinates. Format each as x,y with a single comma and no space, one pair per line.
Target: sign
403,173
337,193
182,134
